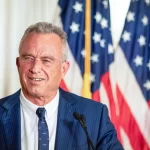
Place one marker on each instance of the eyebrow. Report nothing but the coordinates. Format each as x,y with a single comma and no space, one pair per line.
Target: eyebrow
26,54
42,57
47,57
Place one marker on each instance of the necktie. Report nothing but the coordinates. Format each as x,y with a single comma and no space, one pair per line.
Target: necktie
43,134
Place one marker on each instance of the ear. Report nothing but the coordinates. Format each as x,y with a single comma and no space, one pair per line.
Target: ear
17,62
64,69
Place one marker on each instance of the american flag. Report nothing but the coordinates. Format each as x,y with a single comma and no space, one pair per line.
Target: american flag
119,78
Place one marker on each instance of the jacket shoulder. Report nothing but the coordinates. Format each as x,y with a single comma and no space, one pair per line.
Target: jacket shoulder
10,100
82,102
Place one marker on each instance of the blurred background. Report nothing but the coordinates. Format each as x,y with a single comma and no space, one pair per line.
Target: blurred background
109,54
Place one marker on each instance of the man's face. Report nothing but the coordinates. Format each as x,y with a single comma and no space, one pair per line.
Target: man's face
40,65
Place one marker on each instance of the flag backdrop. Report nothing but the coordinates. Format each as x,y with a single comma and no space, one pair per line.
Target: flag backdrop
119,77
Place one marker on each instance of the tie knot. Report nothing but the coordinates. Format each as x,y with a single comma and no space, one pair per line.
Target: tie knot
41,113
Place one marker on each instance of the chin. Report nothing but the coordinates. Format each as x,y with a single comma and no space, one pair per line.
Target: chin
35,93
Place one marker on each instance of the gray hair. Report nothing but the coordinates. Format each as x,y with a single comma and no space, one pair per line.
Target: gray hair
45,28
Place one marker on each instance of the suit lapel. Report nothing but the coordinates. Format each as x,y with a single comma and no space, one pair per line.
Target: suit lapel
11,122
65,123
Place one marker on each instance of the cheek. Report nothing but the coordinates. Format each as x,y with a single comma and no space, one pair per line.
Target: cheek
54,73
23,69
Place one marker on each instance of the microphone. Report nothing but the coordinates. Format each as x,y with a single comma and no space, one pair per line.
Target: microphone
82,120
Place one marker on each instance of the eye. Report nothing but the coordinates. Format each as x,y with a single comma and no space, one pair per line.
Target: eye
46,60
28,58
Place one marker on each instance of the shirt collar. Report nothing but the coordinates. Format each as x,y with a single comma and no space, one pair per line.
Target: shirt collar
31,108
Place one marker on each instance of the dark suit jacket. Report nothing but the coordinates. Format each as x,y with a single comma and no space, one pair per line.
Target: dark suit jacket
69,134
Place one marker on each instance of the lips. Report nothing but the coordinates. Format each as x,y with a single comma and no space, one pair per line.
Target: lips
35,79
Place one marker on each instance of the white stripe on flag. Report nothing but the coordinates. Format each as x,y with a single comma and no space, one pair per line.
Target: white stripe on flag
104,97
113,81
73,78
125,140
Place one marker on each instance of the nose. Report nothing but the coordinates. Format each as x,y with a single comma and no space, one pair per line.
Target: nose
36,66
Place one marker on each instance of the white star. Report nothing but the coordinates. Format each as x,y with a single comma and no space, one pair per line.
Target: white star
145,20
147,2
142,40
98,17
78,7
92,77
126,36
94,58
96,37
102,43
148,65
110,49
138,61
105,3
74,27
104,23
147,85
83,53
130,16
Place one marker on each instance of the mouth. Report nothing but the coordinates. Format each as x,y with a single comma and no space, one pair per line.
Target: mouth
36,79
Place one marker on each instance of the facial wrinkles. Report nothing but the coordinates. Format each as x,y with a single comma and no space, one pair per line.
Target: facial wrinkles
43,46
40,51
38,48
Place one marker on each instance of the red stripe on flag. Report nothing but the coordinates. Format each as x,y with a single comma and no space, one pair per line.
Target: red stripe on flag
114,118
96,96
149,103
130,125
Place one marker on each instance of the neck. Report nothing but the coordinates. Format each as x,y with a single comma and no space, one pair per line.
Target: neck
40,100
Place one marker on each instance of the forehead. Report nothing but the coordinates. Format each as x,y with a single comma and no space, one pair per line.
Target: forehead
41,42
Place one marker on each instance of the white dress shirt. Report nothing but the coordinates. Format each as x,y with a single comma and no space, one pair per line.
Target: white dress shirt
29,122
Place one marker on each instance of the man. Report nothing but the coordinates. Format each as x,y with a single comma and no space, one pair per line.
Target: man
41,115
